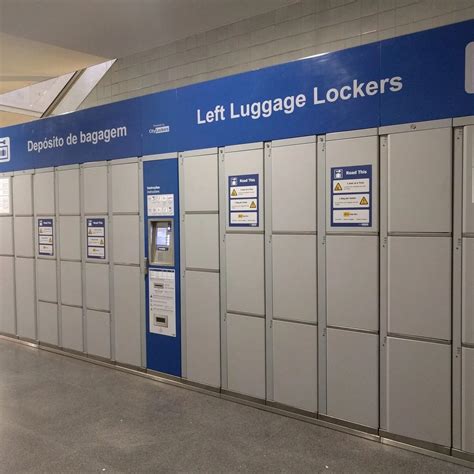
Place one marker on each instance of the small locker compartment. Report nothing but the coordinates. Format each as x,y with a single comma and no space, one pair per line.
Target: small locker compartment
295,359
71,283
468,292
6,235
44,193
23,194
7,295
419,390
68,191
420,181
47,286
246,355
71,328
48,322
468,187
468,399
353,381
25,297
98,334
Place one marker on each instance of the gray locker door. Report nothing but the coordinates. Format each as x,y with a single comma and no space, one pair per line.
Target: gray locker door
352,284
127,296
295,370
70,237
246,355
202,328
25,297
23,194
419,390
200,294
24,236
468,400
98,334
46,275
44,193
468,292
71,283
420,181
48,322
6,235
7,295
95,189
352,381
419,292
468,188
126,241
71,328
125,193
97,286
352,281
68,192
242,251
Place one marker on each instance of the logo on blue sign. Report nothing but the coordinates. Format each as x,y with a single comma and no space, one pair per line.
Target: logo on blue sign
4,149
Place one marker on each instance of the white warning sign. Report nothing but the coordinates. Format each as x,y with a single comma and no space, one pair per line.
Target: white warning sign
243,200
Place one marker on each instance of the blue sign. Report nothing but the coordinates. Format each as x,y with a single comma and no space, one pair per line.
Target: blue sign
351,196
417,77
46,237
96,243
243,200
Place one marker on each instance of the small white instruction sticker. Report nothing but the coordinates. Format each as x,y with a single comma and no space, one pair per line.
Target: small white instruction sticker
247,218
351,217
243,205
351,200
162,302
160,205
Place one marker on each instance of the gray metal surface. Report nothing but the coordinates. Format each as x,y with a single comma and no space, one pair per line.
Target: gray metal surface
202,241
294,187
352,152
352,281
352,377
24,236
201,183
68,192
43,192
25,297
46,280
468,400
48,323
468,186
95,189
468,291
245,273
294,277
6,235
127,315
420,181
97,286
23,194
7,295
125,196
70,237
98,334
71,283
203,328
419,295
419,390
246,355
126,232
71,328
295,371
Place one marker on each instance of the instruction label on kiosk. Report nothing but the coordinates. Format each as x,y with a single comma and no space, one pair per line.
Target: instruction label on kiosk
160,204
5,196
96,243
243,200
162,302
351,196
46,237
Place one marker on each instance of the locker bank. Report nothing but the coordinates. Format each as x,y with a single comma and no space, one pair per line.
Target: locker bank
300,237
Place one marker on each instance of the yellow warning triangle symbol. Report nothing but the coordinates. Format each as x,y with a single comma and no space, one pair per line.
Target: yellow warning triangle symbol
90,231
234,193
253,205
101,241
363,201
338,187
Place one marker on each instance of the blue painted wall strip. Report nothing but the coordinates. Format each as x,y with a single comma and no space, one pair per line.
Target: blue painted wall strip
418,77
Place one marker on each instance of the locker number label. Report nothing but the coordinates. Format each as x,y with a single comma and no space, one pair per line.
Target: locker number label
351,196
243,200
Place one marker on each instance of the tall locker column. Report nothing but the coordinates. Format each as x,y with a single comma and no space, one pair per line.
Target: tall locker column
70,254
416,271
7,259
96,255
200,288
352,304
46,256
243,279
467,338
126,275
25,278
291,284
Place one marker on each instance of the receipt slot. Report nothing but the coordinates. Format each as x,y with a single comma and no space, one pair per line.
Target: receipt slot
161,242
